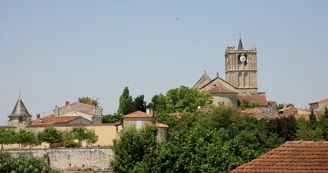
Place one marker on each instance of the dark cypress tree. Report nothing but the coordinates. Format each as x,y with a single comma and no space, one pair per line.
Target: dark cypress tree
312,119
126,104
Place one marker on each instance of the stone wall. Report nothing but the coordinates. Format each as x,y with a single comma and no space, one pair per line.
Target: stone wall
72,159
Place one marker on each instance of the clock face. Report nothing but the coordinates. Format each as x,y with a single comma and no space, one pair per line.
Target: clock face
242,58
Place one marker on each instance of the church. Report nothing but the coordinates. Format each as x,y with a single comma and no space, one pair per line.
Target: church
240,84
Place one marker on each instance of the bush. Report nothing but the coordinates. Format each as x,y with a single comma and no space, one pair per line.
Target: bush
71,144
26,164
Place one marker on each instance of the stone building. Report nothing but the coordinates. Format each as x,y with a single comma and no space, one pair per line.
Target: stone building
19,116
241,82
139,119
319,105
86,110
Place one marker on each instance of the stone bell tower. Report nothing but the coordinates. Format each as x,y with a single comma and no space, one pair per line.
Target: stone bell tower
241,68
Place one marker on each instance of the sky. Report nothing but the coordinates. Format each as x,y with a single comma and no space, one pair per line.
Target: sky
57,51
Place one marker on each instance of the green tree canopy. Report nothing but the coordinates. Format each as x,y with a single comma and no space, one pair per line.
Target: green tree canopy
50,135
139,103
126,104
83,133
111,118
89,99
183,99
26,164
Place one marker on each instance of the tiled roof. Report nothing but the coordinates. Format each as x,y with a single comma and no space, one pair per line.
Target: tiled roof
220,89
161,125
138,114
290,157
258,98
318,101
50,120
252,111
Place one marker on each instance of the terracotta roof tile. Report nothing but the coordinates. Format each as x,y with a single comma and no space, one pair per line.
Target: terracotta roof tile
252,111
257,98
50,120
290,157
161,125
320,100
220,89
138,114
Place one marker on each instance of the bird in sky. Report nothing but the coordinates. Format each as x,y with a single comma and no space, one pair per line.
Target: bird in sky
192,42
177,18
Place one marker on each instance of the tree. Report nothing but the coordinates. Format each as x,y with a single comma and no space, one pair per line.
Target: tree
91,137
308,131
85,100
247,105
27,138
139,103
323,124
7,137
313,119
82,133
111,118
26,164
281,105
131,148
198,142
50,135
182,99
126,105
285,127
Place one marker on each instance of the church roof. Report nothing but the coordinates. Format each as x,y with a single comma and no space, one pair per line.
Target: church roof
20,110
257,98
240,45
204,77
216,79
220,89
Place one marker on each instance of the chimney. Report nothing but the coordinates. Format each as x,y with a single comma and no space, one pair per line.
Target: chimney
149,111
67,103
37,116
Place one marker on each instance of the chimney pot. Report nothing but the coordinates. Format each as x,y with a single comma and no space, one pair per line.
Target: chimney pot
37,116
67,103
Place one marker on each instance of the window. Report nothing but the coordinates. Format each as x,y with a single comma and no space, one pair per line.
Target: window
138,124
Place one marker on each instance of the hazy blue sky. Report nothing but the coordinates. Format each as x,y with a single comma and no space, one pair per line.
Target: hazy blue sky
55,51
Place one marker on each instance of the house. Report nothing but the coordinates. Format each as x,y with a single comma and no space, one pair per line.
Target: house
51,120
139,119
290,157
319,104
86,110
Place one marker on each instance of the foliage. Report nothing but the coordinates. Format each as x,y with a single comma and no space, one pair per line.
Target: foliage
247,105
70,144
281,105
183,99
312,119
131,147
50,135
308,131
126,104
111,118
27,138
82,133
198,142
23,164
7,137
139,103
285,127
88,99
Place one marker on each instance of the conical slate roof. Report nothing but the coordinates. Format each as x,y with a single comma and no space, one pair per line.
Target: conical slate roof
20,110
240,45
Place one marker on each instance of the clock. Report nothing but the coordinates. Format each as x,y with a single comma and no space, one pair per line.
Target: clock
242,58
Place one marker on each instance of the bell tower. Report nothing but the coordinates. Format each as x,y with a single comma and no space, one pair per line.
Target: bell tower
241,68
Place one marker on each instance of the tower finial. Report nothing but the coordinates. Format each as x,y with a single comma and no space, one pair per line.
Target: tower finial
19,94
240,44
